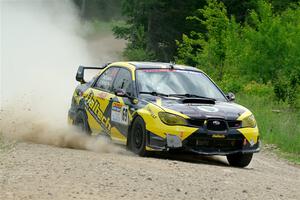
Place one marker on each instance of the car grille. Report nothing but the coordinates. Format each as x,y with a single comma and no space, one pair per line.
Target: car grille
208,143
215,124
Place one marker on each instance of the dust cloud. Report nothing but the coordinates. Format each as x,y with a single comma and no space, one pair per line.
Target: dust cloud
41,48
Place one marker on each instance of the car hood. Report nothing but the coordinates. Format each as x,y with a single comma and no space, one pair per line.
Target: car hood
223,110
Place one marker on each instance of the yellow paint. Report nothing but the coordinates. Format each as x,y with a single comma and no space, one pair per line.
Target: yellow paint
250,133
76,97
117,136
244,115
158,101
94,125
156,126
104,101
126,65
176,113
70,121
135,101
149,149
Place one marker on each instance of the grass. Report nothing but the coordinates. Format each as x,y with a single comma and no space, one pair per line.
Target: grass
277,122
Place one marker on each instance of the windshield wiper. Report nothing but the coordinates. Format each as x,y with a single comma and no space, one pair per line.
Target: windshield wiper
191,95
154,93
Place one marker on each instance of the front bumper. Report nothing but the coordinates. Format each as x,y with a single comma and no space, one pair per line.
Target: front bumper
204,143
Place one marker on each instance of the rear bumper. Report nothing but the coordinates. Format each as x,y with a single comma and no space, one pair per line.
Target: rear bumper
71,116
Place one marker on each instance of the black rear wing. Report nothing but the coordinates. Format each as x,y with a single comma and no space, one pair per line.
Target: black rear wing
80,71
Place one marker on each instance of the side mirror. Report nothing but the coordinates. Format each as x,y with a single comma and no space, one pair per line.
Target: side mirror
121,93
80,75
230,96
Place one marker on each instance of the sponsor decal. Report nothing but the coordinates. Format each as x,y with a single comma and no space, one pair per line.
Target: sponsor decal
208,108
151,112
116,106
158,70
218,136
119,113
102,95
93,106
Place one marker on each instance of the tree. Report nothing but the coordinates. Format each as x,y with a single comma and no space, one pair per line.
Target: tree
265,48
207,49
162,21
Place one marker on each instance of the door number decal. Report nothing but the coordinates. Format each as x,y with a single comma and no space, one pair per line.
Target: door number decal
119,113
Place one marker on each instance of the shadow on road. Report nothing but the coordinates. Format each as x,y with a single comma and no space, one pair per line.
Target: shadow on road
192,158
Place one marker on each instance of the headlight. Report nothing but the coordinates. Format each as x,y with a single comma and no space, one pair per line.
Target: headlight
249,122
171,119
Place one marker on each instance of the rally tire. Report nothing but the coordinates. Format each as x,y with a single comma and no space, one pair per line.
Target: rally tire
82,123
239,159
138,137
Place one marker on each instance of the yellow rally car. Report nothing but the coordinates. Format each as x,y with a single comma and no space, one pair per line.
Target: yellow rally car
151,106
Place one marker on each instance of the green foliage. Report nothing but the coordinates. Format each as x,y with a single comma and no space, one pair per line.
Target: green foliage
240,9
138,54
282,5
137,47
162,21
266,48
231,83
216,51
261,90
287,89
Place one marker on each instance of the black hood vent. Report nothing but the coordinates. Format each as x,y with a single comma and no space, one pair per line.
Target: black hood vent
197,100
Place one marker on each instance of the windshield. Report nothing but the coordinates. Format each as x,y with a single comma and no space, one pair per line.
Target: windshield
181,82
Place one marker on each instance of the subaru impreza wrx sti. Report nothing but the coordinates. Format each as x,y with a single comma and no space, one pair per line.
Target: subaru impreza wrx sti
151,106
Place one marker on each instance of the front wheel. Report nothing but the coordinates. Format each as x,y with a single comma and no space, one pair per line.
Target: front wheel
138,137
239,159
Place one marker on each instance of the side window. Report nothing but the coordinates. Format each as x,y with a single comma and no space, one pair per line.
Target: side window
106,79
123,81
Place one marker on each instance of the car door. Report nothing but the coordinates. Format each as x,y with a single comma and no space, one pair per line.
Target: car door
98,100
120,111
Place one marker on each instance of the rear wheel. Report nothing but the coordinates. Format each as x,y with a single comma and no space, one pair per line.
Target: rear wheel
138,137
239,159
82,123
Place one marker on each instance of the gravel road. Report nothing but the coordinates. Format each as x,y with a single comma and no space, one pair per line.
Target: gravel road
35,171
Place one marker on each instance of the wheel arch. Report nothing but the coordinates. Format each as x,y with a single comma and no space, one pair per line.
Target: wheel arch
130,128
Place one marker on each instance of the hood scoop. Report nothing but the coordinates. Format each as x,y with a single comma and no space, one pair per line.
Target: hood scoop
197,100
